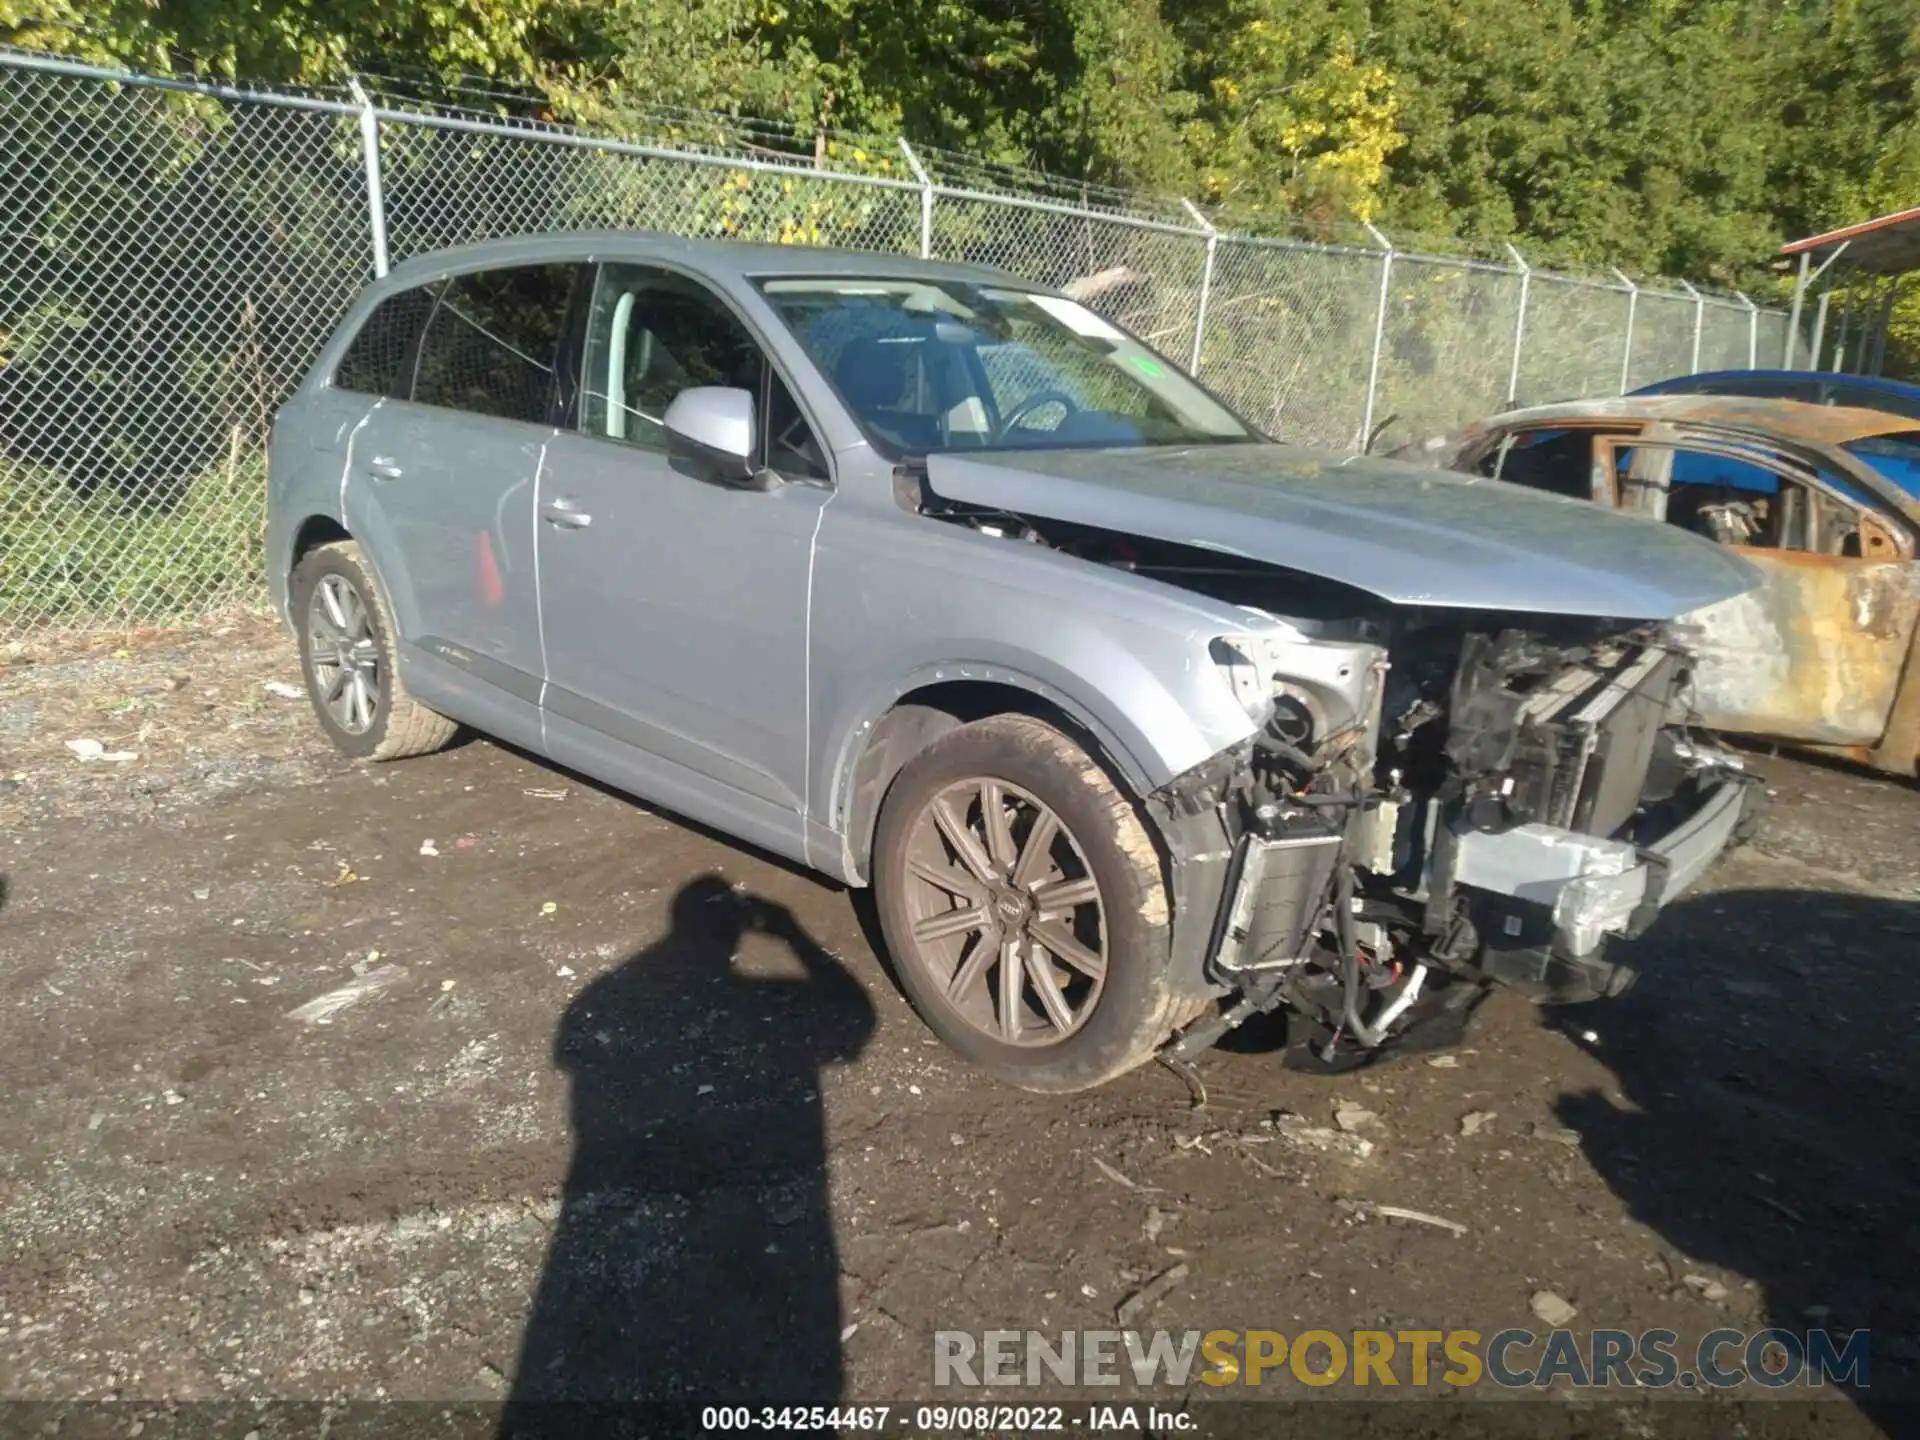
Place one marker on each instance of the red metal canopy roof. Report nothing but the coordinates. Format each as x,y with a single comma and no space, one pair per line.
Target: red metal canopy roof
1888,245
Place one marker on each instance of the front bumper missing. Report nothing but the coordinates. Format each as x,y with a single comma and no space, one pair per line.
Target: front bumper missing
1597,887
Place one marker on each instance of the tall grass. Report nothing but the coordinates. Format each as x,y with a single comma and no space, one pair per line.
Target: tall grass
66,559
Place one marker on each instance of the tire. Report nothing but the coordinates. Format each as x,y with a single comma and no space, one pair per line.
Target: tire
1118,1018
391,725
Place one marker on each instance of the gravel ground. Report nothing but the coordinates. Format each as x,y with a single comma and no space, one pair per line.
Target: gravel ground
611,1104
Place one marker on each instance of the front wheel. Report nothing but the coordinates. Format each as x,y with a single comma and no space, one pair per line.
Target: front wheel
1023,904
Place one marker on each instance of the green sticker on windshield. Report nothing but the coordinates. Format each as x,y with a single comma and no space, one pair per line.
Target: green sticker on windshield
1148,366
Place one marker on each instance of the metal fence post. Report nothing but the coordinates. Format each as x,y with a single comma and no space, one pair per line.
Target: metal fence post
1753,330
1379,335
1206,283
1793,315
1819,337
1626,353
1699,324
1519,325
370,154
1879,361
926,198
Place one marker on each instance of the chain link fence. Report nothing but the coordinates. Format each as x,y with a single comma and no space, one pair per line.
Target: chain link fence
1290,333
177,252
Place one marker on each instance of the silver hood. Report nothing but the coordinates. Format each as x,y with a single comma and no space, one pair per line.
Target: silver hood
1409,535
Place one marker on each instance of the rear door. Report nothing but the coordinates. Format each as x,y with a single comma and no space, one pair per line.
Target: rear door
441,482
1817,651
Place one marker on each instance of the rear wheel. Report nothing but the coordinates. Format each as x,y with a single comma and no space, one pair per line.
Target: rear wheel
1022,901
347,657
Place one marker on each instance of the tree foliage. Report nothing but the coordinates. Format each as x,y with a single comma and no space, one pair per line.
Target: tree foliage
1678,136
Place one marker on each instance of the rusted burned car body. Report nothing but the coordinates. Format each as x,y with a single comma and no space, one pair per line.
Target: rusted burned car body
1823,651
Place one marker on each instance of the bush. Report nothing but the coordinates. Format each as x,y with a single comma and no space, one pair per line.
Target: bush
100,559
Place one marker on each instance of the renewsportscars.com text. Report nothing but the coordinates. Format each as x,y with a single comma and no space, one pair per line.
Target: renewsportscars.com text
1510,1359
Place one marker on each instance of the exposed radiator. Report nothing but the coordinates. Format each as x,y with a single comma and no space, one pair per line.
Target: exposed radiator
1588,738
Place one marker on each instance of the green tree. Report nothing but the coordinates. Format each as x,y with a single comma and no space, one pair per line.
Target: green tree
1678,136
1288,119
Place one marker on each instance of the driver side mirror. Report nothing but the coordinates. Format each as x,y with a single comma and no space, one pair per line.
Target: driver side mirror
710,434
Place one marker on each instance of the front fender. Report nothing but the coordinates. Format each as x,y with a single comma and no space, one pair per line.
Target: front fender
1124,738
1120,737
932,604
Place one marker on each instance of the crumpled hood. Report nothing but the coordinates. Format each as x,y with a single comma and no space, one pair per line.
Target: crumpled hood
1409,535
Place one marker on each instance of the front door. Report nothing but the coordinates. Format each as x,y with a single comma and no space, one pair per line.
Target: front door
674,607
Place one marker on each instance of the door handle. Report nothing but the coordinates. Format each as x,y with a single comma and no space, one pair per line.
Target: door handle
564,513
384,468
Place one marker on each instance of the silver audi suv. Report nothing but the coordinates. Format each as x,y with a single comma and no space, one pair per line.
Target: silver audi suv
1136,722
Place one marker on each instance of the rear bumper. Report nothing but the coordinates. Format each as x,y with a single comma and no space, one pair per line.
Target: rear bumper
1595,887
279,547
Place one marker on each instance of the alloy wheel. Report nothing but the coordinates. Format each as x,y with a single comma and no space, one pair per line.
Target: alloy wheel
343,654
1006,917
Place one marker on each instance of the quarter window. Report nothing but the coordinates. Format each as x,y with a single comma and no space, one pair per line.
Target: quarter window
490,347
1865,398
791,448
371,364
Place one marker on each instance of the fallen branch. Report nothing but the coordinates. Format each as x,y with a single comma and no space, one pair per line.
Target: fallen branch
1419,1217
1150,1294
1119,1179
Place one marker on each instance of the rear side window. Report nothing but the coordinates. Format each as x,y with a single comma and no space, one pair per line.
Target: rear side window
491,345
372,363
1895,456
1749,387
1808,392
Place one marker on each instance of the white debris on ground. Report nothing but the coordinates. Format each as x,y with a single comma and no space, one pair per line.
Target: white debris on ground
87,748
1305,1135
1551,1309
368,980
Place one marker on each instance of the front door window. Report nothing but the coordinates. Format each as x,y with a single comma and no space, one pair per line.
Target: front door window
653,333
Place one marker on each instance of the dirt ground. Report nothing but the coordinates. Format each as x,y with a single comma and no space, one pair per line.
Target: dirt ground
617,1105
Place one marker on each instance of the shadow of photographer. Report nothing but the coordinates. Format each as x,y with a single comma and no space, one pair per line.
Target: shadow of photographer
1771,1124
693,1258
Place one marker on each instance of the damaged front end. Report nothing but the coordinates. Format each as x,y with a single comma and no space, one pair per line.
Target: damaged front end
1438,801
1463,769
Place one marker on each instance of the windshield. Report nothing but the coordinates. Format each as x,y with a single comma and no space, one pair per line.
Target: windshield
931,366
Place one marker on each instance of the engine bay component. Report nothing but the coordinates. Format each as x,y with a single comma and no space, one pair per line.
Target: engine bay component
1511,799
1548,866
1279,889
